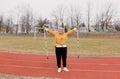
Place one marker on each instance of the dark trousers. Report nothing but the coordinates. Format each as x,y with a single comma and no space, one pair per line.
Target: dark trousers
61,52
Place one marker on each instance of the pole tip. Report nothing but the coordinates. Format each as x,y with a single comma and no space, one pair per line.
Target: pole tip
78,57
47,57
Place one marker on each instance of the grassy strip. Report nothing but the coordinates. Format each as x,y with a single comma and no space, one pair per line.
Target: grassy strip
87,46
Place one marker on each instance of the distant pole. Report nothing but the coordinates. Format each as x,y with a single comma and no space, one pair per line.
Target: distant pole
35,33
78,46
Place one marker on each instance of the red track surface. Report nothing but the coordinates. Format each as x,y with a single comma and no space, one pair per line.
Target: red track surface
39,65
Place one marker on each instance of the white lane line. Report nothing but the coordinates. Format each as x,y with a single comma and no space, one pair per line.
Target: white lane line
69,57
24,60
101,64
23,54
1,65
75,70
95,70
53,62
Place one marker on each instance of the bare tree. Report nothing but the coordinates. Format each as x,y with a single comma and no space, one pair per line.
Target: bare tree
9,25
56,19
25,15
22,24
59,15
1,23
72,17
75,16
104,19
41,22
117,24
29,20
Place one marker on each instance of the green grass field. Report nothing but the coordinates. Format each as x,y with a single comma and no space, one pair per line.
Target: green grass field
87,46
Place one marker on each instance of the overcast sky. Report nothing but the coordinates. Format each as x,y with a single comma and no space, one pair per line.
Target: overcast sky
45,7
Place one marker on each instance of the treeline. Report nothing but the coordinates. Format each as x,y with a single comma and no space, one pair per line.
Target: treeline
24,21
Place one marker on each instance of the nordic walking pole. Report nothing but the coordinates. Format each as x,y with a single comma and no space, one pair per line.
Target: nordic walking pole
46,47
78,46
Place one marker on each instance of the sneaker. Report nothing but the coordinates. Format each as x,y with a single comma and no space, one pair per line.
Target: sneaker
59,69
65,69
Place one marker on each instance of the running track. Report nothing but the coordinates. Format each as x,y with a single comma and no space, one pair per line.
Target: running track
39,65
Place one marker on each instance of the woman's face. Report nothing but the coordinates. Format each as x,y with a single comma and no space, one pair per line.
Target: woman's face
60,30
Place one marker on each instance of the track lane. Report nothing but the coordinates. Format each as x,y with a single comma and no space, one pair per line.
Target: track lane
38,65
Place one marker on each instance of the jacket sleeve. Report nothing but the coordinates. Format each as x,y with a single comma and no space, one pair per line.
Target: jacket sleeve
70,32
51,32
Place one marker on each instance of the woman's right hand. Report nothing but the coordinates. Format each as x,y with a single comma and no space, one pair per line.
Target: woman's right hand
44,27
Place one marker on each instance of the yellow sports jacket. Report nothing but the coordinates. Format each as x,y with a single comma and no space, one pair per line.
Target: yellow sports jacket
60,39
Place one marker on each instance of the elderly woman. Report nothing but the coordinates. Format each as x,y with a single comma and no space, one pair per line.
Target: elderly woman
60,42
